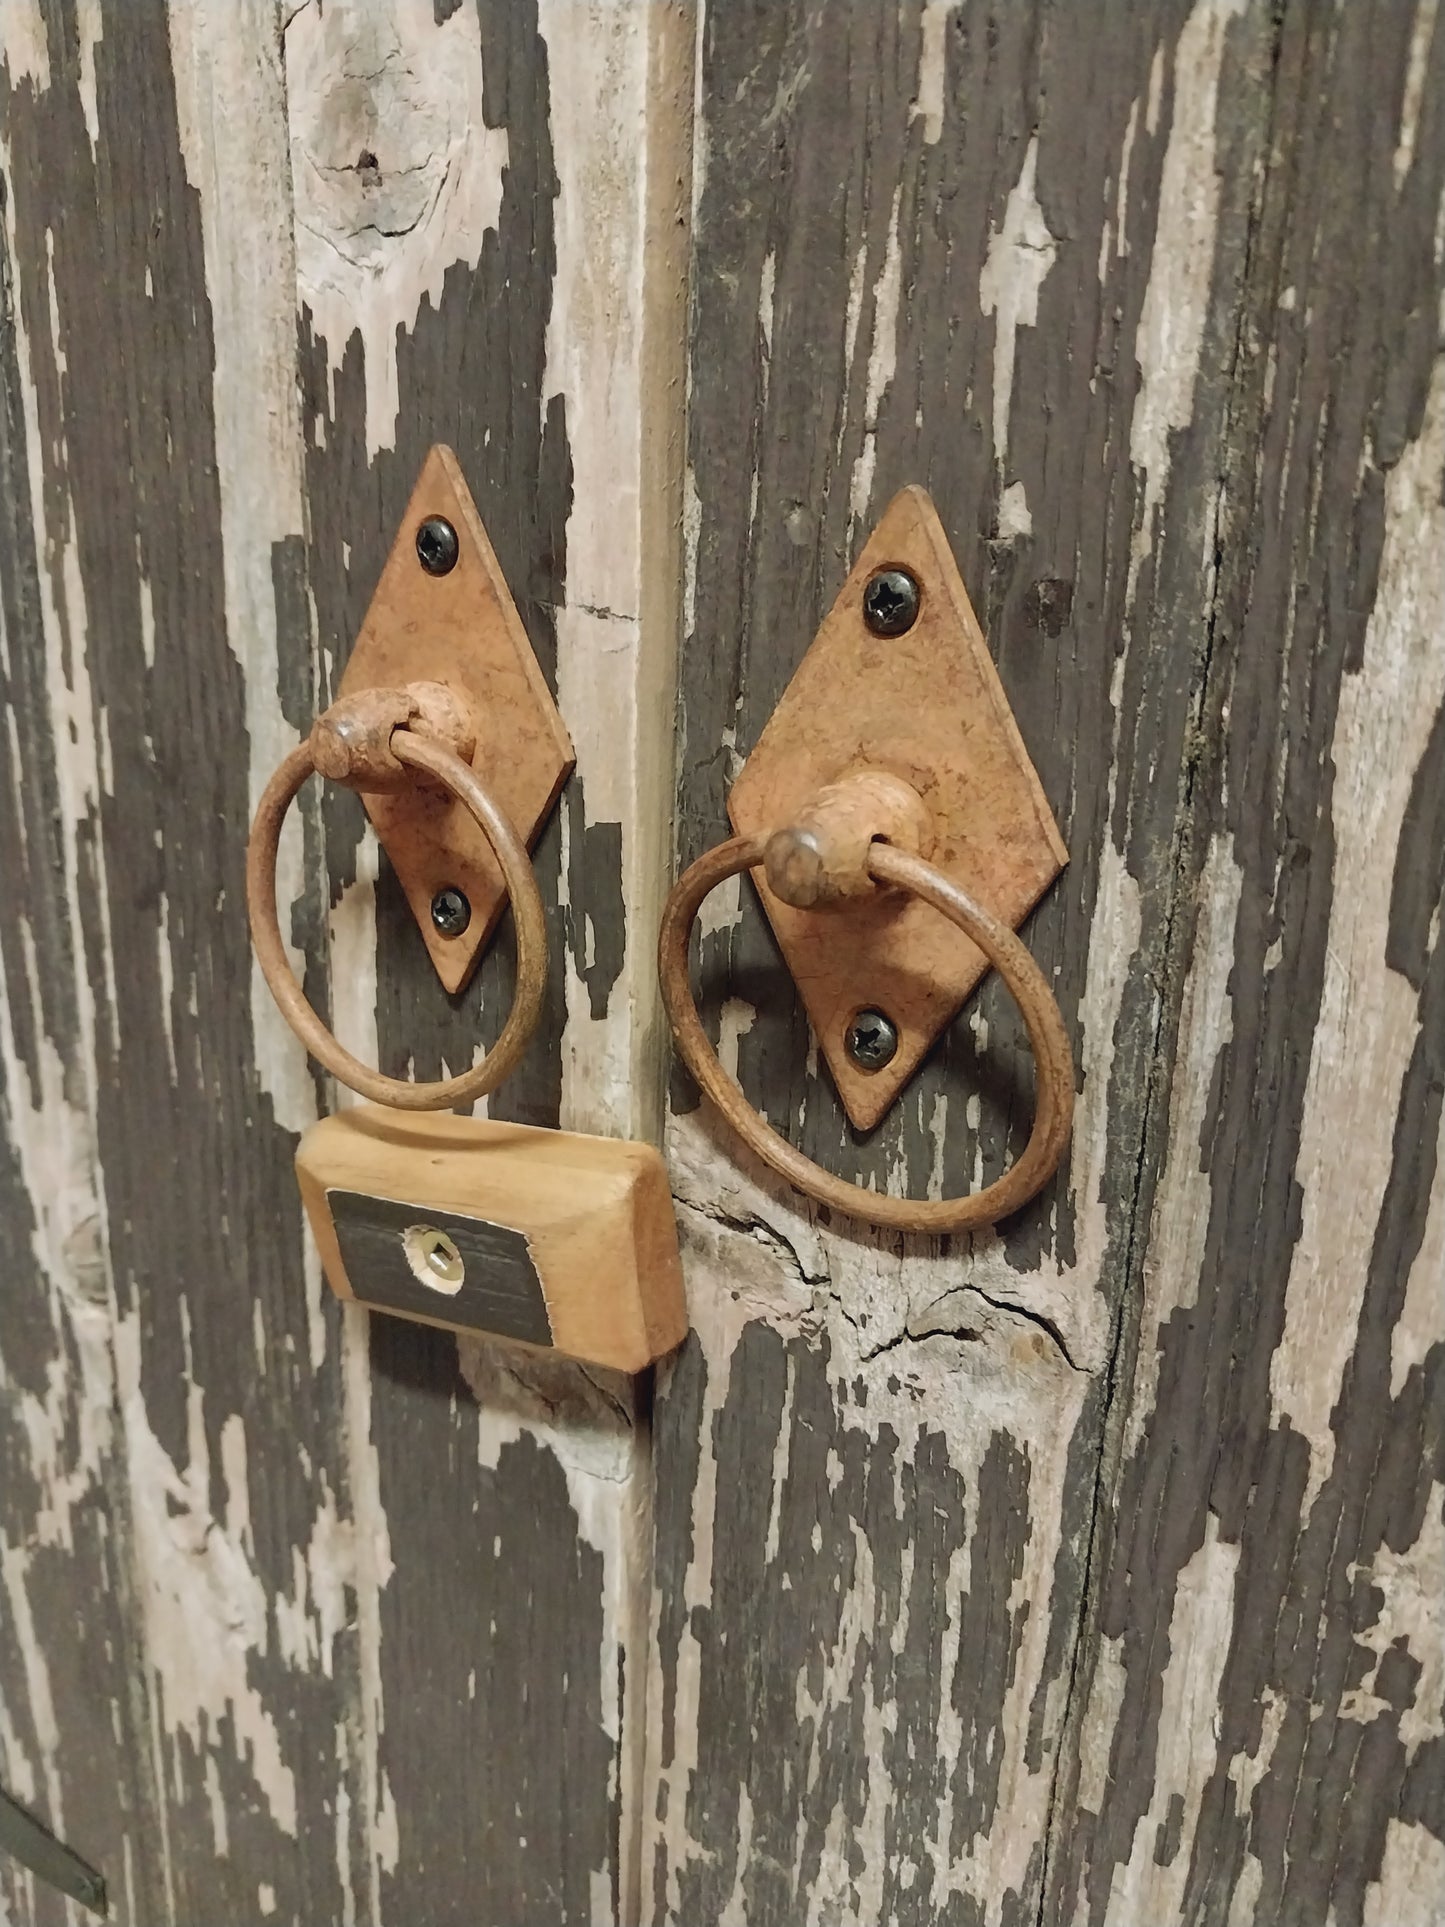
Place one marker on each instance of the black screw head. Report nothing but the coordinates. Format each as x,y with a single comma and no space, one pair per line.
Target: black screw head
890,601
437,547
872,1040
450,911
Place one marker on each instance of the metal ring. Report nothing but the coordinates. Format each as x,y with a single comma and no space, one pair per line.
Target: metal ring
418,752
1054,1111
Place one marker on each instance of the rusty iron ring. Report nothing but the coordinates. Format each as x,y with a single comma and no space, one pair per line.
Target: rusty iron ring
421,753
1054,1109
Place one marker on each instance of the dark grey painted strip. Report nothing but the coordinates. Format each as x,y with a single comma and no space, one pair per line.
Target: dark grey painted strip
500,1290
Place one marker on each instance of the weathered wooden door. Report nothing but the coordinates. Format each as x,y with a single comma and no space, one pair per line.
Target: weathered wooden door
1092,1570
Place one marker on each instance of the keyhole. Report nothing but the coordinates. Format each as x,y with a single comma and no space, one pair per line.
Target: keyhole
434,1259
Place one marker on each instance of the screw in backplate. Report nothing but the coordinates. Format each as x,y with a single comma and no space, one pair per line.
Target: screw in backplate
450,911
437,547
890,601
872,1040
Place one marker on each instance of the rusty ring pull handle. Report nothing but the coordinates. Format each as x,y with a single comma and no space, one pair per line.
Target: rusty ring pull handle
383,739
835,852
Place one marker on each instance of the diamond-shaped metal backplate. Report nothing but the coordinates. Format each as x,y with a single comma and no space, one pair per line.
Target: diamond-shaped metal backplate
929,707
461,629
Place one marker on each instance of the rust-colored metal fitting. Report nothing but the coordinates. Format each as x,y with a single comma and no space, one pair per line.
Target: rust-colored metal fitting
890,785
446,728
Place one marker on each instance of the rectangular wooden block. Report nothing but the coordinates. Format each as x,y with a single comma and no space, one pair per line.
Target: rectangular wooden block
542,1238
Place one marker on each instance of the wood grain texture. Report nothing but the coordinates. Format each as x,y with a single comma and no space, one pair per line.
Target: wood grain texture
234,1522
482,194
1087,1572
1263,1699
175,1696
1074,275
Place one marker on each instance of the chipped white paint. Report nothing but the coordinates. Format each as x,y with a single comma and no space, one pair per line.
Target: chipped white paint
1096,1736
396,174
751,1252
39,1698
316,1613
722,909
619,81
1411,1880
24,49
932,67
1173,1265
852,316
1411,1590
1020,254
203,1609
1199,1639
735,1020
1171,323
745,1256
1126,161
882,359
351,928
68,1430
584,1418
1421,38
48,1106
1418,1326
230,105
1014,517
588,1421
593,338
1369,1014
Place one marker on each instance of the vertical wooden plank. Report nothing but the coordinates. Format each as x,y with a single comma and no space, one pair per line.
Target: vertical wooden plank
1263,1702
488,255
183,1698
63,1476
997,252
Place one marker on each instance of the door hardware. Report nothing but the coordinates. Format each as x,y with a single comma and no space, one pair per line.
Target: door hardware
543,1238
419,739
442,613
891,783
